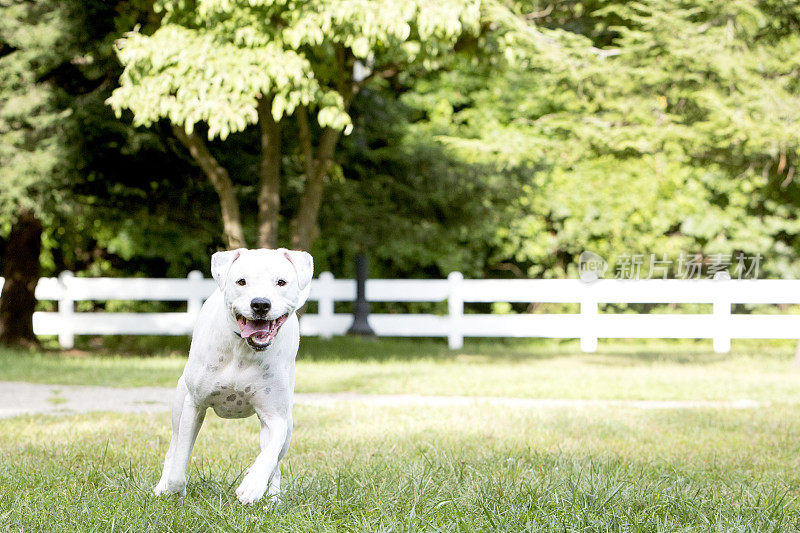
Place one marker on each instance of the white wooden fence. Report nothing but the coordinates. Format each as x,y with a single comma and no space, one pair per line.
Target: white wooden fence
589,324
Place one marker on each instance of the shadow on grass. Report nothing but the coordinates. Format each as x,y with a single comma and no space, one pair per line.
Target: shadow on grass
488,351
611,352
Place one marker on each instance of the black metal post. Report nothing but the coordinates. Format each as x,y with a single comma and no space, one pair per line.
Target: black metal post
361,312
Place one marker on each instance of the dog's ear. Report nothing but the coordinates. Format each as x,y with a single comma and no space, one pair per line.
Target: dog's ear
221,263
303,265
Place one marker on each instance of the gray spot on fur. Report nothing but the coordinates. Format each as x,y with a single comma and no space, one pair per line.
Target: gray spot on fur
231,397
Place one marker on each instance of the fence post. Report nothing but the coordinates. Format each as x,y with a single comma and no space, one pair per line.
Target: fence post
195,300
455,310
589,325
722,313
325,305
66,311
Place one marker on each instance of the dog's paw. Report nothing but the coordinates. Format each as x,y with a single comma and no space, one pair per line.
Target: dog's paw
272,499
166,489
252,489
273,495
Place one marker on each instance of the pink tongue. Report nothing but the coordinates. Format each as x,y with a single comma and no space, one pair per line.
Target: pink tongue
252,327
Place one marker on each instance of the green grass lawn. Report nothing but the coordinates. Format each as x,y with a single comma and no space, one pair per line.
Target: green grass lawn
418,469
360,468
657,370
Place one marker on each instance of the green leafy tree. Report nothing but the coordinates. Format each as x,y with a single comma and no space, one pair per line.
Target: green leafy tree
221,65
66,163
640,127
35,40
136,206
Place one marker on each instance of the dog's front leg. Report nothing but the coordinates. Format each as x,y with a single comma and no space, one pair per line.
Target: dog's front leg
177,407
191,418
272,437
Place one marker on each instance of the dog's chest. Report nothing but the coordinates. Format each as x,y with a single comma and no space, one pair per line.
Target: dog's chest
234,389
231,401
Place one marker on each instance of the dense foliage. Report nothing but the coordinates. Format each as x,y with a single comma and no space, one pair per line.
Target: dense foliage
549,128
659,127
224,65
34,42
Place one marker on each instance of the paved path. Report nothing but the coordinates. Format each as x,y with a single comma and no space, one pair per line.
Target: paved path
18,398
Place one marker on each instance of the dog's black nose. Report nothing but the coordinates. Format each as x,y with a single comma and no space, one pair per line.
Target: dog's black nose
260,306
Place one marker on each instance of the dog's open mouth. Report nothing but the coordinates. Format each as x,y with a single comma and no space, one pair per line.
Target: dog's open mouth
259,334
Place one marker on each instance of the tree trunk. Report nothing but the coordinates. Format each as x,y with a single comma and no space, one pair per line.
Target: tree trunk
218,176
304,225
269,192
18,301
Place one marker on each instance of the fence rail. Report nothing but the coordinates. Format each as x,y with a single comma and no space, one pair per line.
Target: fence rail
588,325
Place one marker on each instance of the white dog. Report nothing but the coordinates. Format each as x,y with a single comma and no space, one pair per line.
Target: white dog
241,362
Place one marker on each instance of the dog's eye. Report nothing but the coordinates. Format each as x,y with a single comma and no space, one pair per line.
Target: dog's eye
281,282
241,282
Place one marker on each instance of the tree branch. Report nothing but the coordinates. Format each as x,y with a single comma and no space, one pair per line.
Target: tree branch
269,191
539,14
385,73
218,176
304,224
341,69
304,132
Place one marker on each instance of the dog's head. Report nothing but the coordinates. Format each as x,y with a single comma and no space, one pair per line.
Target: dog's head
262,288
